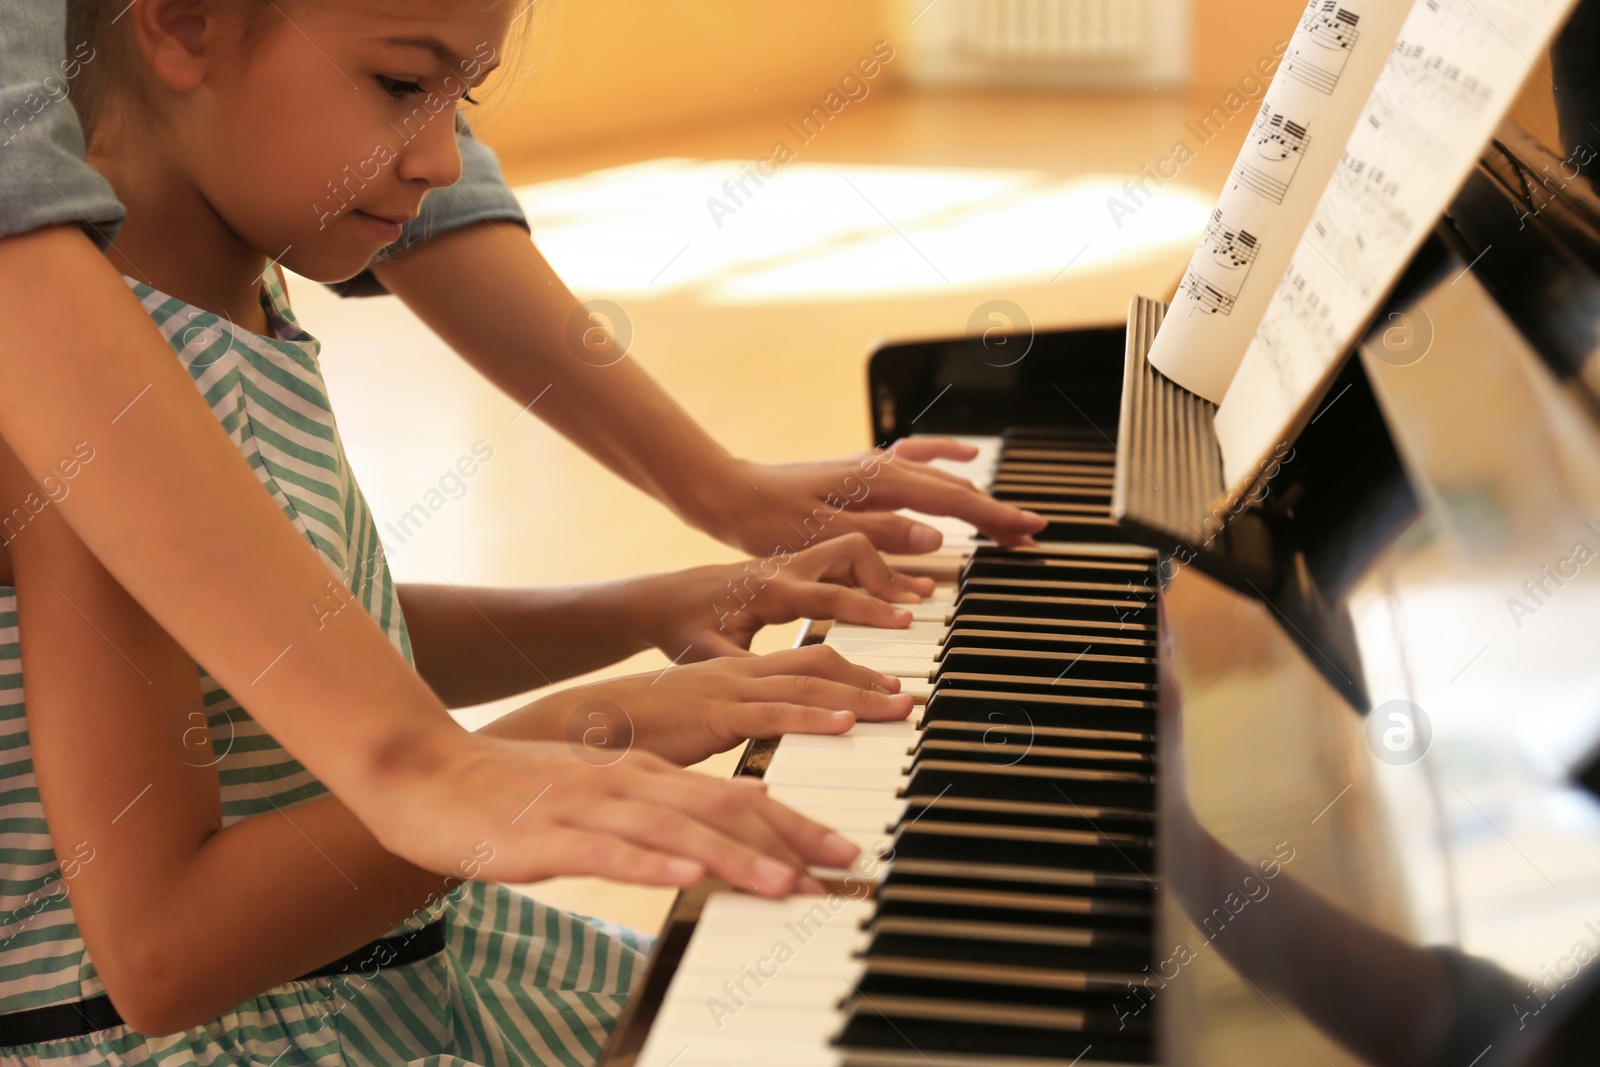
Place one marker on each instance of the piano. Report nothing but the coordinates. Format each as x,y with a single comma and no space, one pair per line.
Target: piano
1318,791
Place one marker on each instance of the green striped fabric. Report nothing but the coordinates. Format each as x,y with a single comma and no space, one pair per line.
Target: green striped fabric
518,983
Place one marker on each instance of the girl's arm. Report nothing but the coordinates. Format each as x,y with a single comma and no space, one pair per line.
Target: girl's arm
176,516
475,644
185,920
488,292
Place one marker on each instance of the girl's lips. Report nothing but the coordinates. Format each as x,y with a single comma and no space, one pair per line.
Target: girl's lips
382,229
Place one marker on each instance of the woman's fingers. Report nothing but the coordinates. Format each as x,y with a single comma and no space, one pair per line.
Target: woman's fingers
933,496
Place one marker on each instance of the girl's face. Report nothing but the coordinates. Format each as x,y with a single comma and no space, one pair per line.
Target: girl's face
325,135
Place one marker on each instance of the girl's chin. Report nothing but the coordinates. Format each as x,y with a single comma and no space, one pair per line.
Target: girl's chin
332,268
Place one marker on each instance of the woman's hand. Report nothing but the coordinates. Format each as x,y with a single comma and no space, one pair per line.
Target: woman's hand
716,611
687,713
796,504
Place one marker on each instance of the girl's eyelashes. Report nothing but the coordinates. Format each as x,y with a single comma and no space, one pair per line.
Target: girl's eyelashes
398,87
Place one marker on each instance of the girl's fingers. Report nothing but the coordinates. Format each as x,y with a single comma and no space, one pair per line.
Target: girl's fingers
813,842
818,843
753,857
716,645
584,853
820,661
922,449
860,562
815,600
765,720
868,705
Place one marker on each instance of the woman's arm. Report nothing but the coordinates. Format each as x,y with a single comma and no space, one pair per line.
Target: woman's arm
488,292
175,514
185,920
172,508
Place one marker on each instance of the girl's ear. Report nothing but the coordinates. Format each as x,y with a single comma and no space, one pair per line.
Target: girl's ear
179,39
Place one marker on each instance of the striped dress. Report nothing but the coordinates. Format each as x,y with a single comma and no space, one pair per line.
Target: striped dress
518,982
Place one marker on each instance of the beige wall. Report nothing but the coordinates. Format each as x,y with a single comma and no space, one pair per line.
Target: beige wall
1230,35
604,69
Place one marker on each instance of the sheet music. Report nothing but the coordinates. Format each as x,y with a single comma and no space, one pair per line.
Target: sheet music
1454,70
1331,62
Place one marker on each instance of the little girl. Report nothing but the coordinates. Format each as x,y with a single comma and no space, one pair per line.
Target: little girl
200,891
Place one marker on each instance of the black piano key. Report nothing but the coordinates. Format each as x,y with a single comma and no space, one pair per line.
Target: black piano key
1102,609
1012,706
1046,641
1052,494
1022,748
995,942
1039,909
1065,849
1027,985
1013,726
1112,789
885,1023
1048,453
984,564
1023,814
1035,664
1133,886
1036,623
1135,694
1053,586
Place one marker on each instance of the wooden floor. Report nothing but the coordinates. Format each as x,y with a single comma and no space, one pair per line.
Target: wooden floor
898,220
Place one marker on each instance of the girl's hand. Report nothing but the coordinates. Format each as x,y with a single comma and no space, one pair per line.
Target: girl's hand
642,821
716,611
858,493
687,713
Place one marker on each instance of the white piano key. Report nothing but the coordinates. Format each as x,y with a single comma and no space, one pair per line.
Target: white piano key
918,629
919,688
759,984
796,766
852,650
896,666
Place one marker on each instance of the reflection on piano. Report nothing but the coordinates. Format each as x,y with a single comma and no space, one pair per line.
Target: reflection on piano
1138,818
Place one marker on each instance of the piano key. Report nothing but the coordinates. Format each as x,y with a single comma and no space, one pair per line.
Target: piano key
1008,825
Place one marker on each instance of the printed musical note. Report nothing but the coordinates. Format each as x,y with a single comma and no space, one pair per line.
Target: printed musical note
1277,145
1215,280
1453,71
1317,57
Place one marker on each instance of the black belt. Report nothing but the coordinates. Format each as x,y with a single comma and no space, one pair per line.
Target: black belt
79,1017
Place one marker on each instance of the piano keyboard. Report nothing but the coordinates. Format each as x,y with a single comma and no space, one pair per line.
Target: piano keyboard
1003,905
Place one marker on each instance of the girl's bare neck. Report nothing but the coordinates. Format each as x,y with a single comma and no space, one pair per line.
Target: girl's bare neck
174,241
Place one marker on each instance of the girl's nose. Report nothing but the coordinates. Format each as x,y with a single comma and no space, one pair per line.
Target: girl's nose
431,156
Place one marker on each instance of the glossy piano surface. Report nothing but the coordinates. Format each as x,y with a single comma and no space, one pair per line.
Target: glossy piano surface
1436,889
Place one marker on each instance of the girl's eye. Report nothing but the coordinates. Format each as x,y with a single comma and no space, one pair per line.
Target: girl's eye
398,88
